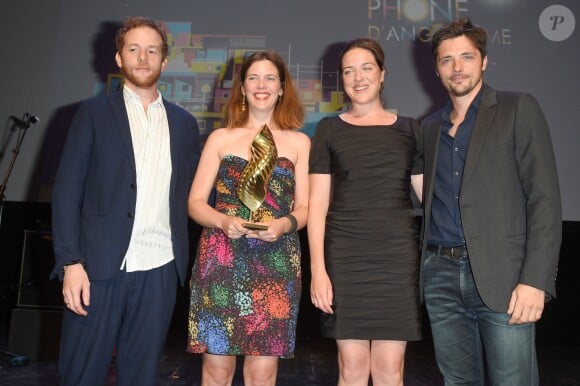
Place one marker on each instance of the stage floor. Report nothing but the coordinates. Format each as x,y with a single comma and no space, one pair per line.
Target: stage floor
314,364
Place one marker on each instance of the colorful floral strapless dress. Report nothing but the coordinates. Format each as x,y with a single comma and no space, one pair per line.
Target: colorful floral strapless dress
245,292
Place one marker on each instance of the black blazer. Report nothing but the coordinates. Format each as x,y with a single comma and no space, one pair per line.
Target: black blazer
509,201
94,193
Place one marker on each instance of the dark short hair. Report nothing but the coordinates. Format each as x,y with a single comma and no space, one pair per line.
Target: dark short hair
368,44
139,21
457,28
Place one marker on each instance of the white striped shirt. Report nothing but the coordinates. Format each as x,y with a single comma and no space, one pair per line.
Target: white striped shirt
150,245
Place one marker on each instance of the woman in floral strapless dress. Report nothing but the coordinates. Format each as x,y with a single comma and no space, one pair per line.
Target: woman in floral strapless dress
246,283
245,291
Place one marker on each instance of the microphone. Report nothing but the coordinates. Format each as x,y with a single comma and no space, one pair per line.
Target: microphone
26,121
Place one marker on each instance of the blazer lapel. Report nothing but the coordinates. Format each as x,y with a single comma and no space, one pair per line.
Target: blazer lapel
431,145
485,115
117,104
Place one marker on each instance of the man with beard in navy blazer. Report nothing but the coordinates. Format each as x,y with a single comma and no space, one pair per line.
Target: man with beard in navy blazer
492,225
120,221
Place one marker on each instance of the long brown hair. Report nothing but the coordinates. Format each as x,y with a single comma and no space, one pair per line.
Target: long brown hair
288,113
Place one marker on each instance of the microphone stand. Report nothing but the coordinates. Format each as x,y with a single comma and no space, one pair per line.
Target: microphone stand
24,124
6,357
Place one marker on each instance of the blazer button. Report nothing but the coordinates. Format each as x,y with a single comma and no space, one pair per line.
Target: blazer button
129,214
133,186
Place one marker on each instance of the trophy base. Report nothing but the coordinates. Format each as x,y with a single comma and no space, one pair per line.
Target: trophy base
254,226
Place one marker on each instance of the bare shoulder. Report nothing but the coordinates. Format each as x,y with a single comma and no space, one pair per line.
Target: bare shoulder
304,141
291,144
299,138
214,138
216,134
223,139
227,134
298,142
301,144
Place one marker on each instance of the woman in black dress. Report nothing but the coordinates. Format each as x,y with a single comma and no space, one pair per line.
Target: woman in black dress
362,229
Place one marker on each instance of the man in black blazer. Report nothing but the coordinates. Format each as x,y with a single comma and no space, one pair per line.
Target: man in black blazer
120,218
492,224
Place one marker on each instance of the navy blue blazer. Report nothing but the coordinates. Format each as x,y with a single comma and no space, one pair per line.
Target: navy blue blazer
95,189
510,198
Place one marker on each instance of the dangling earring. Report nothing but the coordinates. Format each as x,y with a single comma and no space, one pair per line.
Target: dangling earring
279,98
244,103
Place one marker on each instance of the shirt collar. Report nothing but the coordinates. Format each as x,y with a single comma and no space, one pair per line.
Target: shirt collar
129,94
474,106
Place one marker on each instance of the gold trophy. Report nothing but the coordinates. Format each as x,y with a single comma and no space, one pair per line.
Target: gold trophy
253,184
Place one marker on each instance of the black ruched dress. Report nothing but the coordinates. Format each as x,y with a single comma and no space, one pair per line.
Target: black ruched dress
371,234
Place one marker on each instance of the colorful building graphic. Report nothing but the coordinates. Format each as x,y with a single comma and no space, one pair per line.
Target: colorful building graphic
201,69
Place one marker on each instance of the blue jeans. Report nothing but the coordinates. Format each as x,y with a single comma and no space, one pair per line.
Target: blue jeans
467,334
